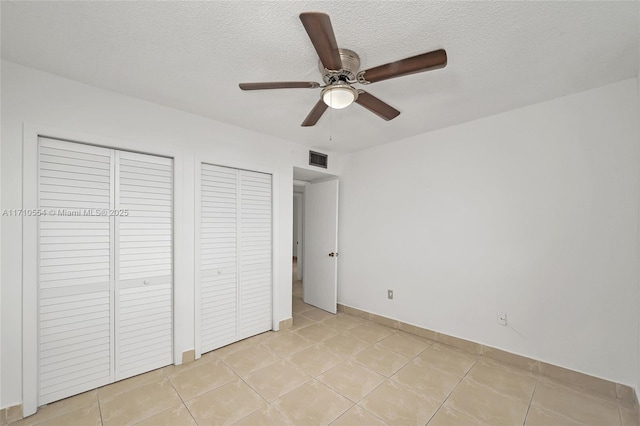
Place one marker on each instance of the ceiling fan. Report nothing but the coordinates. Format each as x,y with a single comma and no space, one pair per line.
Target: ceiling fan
340,71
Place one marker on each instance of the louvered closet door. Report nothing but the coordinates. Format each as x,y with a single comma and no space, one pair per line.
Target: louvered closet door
235,259
255,253
144,267
75,334
219,257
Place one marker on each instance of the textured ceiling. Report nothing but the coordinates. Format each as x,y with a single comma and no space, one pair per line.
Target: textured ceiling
192,55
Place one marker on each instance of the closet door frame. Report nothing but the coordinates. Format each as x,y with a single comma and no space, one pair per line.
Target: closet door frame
197,167
30,135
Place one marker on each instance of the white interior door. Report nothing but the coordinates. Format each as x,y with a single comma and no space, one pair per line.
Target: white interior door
321,245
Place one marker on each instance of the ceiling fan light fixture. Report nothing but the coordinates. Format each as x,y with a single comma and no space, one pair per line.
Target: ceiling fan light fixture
339,96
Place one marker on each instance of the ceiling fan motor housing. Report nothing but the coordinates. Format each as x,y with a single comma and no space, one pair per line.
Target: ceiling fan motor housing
350,67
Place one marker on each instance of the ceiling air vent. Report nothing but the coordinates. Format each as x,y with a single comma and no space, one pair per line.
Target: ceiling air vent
317,159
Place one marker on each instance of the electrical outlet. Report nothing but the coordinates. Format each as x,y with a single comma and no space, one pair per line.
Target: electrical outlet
501,318
389,294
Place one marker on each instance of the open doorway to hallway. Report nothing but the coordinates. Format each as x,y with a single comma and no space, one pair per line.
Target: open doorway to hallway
315,237
296,283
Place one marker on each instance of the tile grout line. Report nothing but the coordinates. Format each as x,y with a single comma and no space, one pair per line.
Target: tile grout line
357,403
184,404
426,349
257,393
531,399
417,355
386,379
455,387
345,359
282,396
255,390
619,409
331,389
99,406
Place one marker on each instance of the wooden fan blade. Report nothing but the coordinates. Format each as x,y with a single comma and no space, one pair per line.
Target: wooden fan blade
315,114
376,106
318,26
415,64
280,85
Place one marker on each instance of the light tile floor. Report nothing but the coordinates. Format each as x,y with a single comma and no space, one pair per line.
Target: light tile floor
338,370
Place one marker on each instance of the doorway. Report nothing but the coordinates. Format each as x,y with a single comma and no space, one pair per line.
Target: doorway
314,245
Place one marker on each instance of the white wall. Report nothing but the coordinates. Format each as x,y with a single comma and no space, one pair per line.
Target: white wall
533,212
35,98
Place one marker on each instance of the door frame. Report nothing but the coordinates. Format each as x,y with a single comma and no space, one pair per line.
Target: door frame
298,197
305,176
30,237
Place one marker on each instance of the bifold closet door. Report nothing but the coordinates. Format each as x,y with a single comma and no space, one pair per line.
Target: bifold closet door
105,266
144,269
255,281
235,255
75,269
218,256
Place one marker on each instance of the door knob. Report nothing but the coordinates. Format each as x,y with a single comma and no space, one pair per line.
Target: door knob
332,254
